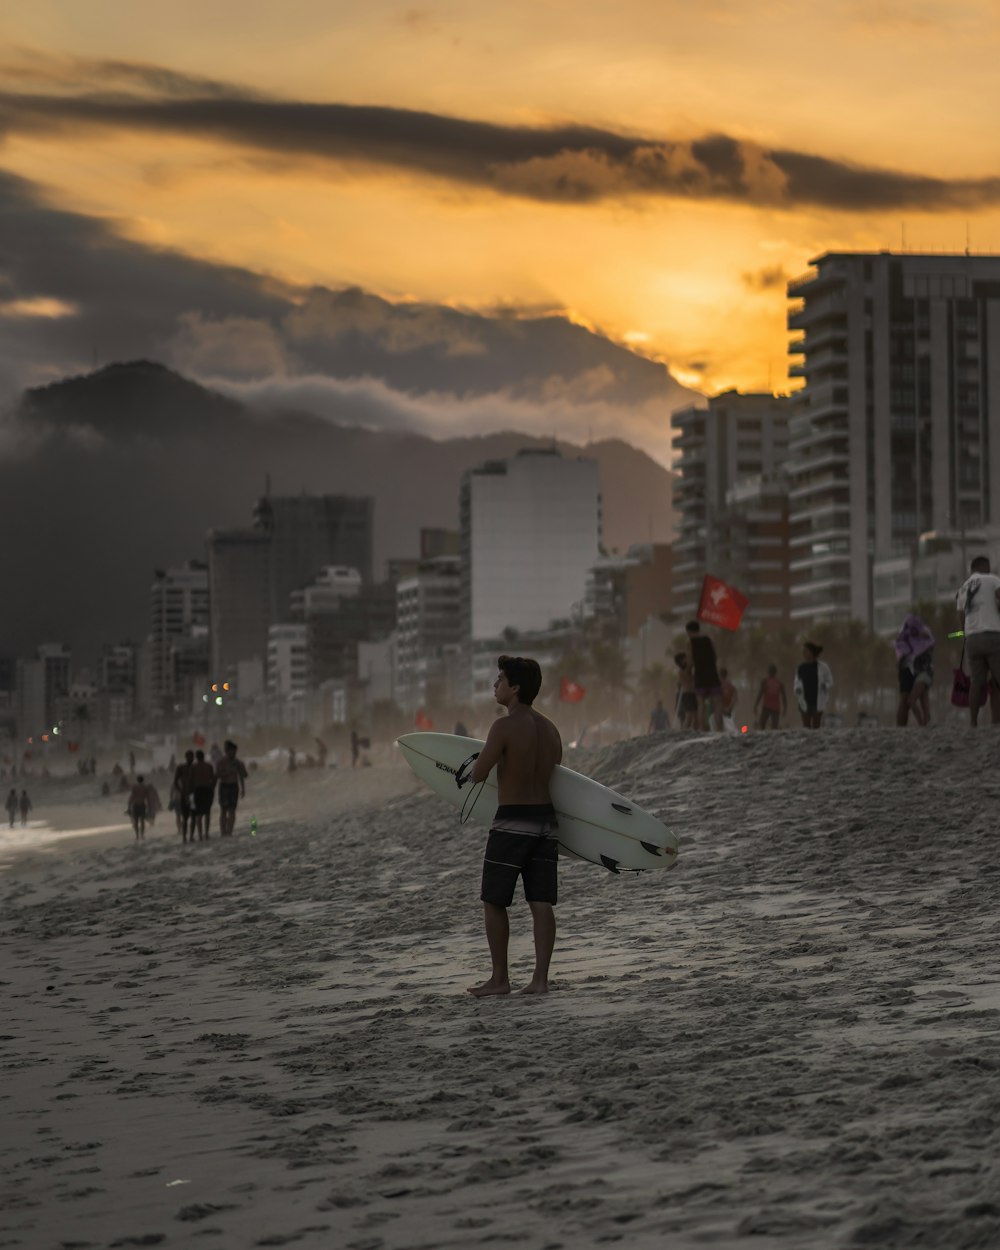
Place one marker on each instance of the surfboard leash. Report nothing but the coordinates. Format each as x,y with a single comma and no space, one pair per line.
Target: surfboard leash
461,779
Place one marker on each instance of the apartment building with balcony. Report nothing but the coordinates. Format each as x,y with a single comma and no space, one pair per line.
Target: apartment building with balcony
752,545
897,429
735,439
429,633
931,573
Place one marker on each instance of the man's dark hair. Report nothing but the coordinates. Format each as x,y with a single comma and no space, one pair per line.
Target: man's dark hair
981,564
814,649
199,756
189,756
772,670
227,744
525,674
693,627
139,778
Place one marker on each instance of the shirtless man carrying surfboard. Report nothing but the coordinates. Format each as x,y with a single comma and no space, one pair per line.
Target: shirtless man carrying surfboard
526,747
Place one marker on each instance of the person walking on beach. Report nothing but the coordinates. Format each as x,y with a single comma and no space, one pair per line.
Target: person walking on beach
813,683
232,787
915,669
707,683
978,603
203,791
728,695
525,747
687,700
12,807
25,805
771,699
138,807
658,719
181,793
153,803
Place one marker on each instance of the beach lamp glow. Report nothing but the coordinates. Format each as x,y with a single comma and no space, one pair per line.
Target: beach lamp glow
218,700
225,685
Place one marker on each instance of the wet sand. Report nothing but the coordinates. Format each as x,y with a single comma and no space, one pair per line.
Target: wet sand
792,1040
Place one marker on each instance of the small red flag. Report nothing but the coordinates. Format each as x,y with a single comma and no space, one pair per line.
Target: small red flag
570,691
422,720
198,740
72,746
720,604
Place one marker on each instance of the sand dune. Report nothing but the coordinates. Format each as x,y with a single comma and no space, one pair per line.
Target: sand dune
791,1038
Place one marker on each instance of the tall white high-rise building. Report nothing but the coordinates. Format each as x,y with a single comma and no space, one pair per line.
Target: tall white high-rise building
897,429
531,532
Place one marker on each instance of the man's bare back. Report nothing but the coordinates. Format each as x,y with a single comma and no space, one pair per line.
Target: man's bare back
530,749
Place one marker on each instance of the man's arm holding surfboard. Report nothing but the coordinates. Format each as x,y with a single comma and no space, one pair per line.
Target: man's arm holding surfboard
491,752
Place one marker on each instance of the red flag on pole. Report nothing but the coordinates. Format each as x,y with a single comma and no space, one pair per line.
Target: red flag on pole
720,604
422,720
570,691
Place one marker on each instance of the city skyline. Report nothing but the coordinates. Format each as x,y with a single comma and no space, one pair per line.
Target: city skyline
653,172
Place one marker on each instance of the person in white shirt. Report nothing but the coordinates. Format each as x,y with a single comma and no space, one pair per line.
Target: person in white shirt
978,603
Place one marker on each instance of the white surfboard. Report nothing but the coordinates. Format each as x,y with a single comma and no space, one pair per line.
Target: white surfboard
595,823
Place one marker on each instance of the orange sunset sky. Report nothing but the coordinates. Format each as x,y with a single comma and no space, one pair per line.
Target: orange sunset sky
654,170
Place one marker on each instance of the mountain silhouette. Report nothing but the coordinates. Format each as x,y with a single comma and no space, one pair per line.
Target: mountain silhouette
108,476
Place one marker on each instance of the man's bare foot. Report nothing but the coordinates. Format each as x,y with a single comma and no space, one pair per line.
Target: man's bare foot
535,987
489,987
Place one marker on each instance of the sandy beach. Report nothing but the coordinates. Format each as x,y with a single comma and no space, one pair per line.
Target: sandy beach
791,1040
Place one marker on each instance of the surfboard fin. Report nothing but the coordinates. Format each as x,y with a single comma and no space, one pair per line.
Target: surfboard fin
651,847
610,864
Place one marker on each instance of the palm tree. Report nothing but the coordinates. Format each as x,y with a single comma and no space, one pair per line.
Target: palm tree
653,682
610,668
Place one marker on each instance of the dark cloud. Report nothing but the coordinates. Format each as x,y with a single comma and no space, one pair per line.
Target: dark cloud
73,74
567,163
127,300
73,294
770,278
